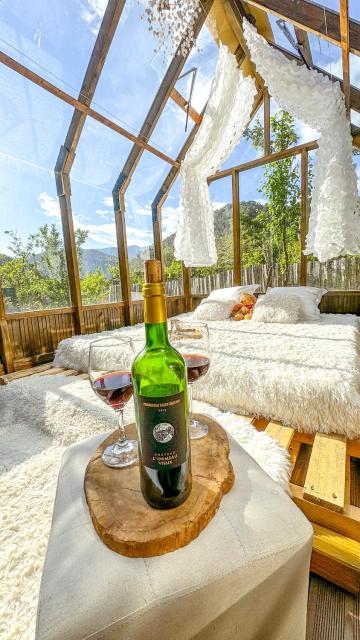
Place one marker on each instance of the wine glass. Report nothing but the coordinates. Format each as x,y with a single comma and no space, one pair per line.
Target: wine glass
191,339
110,361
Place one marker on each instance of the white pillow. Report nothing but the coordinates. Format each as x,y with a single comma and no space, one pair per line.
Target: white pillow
310,298
231,293
213,310
277,308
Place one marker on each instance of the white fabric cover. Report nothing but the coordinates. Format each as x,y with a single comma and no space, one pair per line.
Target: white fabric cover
277,308
227,114
39,417
305,374
334,223
233,576
309,297
232,293
218,305
213,310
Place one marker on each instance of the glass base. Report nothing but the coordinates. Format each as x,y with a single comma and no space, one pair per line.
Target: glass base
121,455
198,429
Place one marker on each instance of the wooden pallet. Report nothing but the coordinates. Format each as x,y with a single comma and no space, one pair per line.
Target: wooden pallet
325,484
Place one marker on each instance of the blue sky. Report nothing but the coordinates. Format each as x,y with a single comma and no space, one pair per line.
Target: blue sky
57,39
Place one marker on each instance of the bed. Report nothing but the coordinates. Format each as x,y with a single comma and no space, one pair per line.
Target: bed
306,375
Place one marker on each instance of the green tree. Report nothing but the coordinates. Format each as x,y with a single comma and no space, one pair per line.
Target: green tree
278,224
37,269
94,287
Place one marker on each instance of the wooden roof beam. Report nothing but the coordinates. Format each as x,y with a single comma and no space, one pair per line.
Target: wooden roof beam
311,17
183,104
345,48
303,42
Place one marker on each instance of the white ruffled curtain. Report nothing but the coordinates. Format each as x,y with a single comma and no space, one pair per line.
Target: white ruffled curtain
226,116
334,222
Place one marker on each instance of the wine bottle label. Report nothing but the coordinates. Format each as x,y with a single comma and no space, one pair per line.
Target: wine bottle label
163,431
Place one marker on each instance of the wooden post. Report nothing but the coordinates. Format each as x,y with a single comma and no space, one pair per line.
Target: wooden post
236,227
304,213
6,348
119,209
345,47
64,195
187,287
157,231
267,132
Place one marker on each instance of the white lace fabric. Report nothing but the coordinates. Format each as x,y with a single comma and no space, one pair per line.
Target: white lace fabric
334,222
227,115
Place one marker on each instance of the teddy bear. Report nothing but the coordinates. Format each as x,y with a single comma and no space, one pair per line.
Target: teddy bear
243,310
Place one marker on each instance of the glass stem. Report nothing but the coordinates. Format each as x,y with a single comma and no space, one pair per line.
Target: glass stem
122,434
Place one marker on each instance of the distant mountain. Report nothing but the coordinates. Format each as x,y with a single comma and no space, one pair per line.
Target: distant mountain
133,251
100,258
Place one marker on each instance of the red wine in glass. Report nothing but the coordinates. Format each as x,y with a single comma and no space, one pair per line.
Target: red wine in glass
197,365
114,388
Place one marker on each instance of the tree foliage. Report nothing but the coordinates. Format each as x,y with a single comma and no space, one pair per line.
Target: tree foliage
277,226
37,269
35,276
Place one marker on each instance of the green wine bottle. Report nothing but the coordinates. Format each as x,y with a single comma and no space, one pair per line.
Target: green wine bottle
161,404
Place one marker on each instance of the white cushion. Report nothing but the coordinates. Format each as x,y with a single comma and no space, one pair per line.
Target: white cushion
277,308
213,310
310,297
231,293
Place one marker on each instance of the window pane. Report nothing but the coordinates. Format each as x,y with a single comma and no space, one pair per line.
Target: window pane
286,131
146,182
205,279
174,285
53,38
339,273
99,157
251,144
169,133
132,72
270,224
32,264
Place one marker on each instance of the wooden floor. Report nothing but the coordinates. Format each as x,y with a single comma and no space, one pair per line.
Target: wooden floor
333,614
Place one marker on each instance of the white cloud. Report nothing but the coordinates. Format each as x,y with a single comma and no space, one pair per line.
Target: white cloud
108,201
92,13
49,205
105,214
218,205
169,219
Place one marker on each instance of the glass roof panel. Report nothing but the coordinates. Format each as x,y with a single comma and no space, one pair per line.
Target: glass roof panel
53,38
303,132
246,150
354,70
354,9
326,55
279,35
100,155
132,72
169,133
33,126
329,4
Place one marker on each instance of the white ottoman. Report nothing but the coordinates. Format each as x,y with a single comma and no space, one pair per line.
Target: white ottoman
246,575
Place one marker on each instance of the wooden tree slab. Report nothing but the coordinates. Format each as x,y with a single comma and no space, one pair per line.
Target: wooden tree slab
126,523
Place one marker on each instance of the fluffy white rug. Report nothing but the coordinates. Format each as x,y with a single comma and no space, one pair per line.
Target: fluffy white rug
306,374
40,416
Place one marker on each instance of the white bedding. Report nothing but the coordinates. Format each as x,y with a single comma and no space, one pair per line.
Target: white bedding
306,375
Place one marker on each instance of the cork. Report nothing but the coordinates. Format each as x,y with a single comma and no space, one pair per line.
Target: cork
153,271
